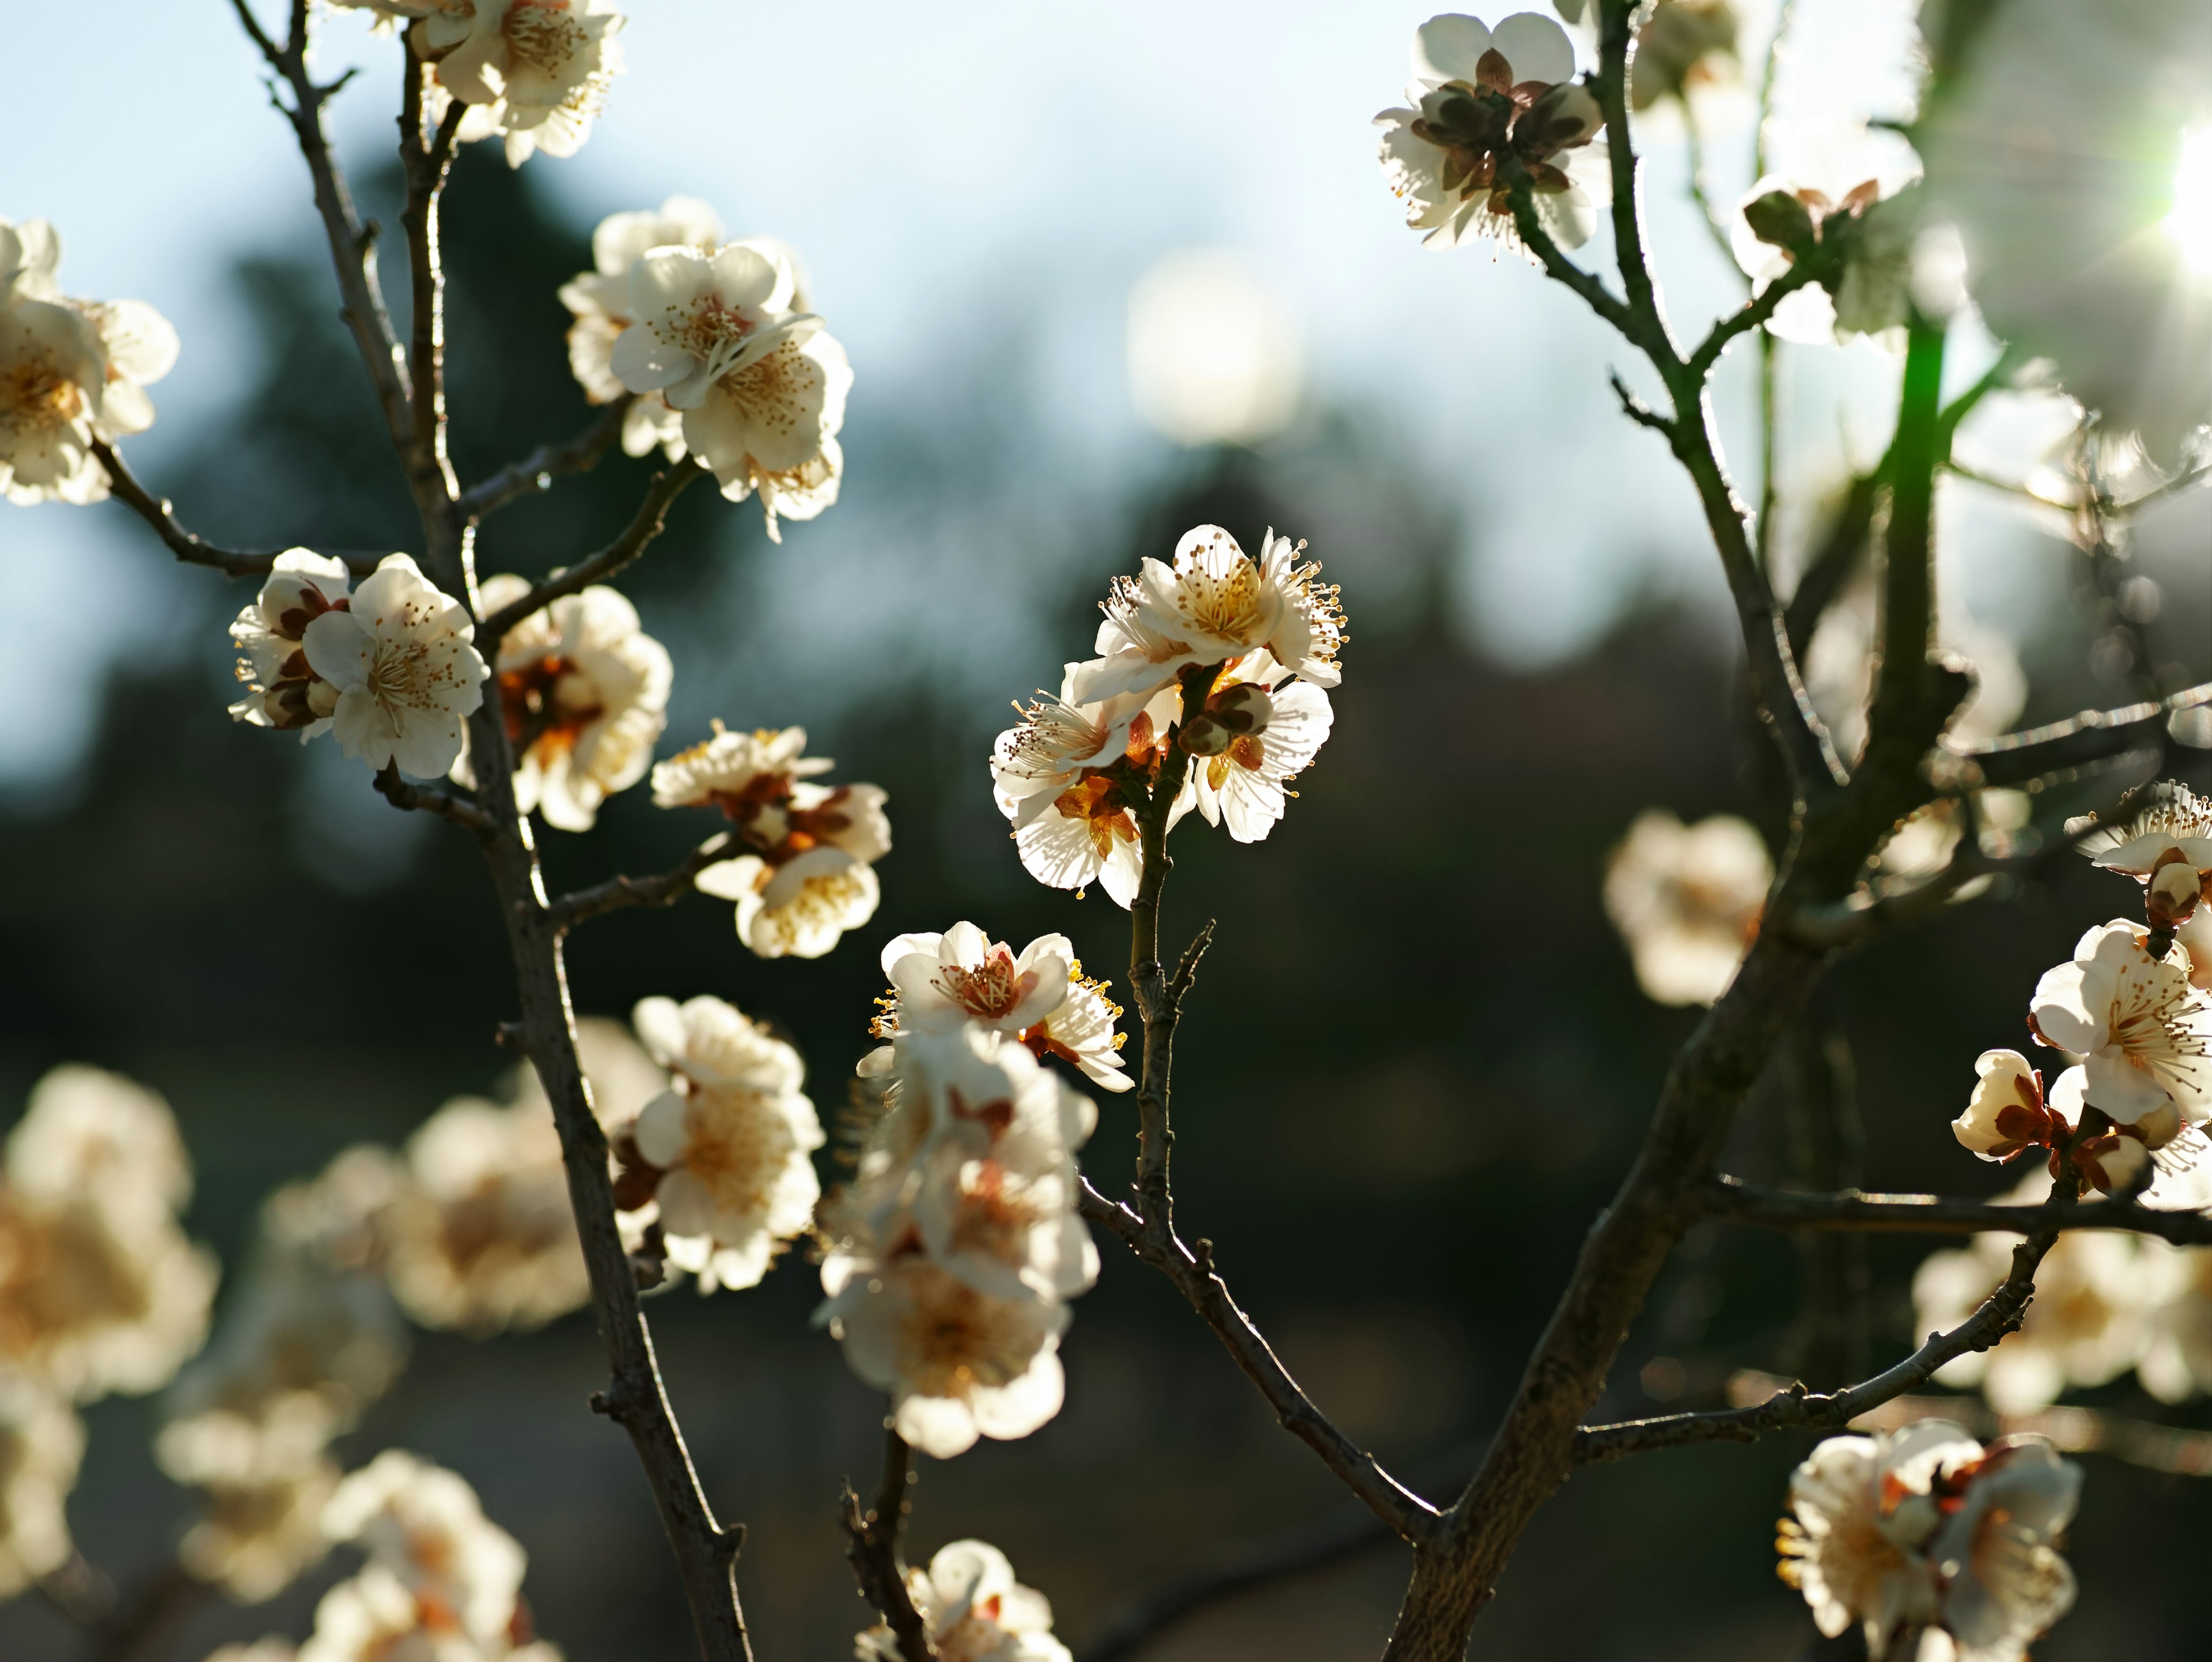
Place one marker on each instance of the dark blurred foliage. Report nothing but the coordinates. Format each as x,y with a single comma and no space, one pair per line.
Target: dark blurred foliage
1414,1066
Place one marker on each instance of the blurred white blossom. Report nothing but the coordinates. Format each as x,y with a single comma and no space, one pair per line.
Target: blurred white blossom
535,72
974,1610
407,675
1214,353
583,692
1831,183
1687,900
41,1443
1862,1515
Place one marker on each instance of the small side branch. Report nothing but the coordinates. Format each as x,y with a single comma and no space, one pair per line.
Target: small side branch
194,550
1808,271
871,1547
1195,1276
430,799
645,525
617,893
537,470
2083,741
1797,1409
1941,1214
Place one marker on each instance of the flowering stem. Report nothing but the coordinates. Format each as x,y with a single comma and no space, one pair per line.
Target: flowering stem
427,164
645,525
1733,1202
191,549
537,470
617,893
871,1547
429,799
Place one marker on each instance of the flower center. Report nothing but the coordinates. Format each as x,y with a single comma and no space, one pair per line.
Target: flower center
541,35
1224,604
990,990
35,396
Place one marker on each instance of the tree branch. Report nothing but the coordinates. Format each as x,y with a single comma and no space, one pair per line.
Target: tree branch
1797,1409
537,470
1734,1201
871,1547
1194,1275
430,799
1809,269
427,164
2080,741
645,525
616,893
194,550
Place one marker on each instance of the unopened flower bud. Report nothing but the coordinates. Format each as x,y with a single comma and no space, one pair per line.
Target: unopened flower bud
1244,709
2113,1162
1563,118
2173,891
1205,736
1781,219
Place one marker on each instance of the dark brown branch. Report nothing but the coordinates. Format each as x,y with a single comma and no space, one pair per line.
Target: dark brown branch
194,550
1194,1275
645,525
427,165
663,889
432,799
871,1547
2081,741
538,470
149,1624
1733,1202
1797,1409
1834,562
1809,269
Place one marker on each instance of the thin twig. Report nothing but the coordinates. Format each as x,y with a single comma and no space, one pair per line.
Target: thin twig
431,798
645,525
1797,1409
194,550
1693,141
1810,268
871,1547
538,470
2094,736
2172,1449
1734,1201
663,889
1193,1274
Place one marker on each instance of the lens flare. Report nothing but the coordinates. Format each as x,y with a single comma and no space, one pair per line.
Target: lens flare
2190,223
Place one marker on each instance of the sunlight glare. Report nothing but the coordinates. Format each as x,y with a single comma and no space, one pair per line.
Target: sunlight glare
2190,223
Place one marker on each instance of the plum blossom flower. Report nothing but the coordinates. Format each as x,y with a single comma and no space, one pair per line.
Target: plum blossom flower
2009,1114
1270,727
423,1529
535,71
1685,49
1213,603
2167,848
761,388
1687,900
282,690
1833,185
406,674
1863,1512
583,692
1040,997
2143,1033
726,1149
1057,777
2006,1113
71,371
1487,105
2004,1583
974,1610
41,1444
599,301
100,1290
807,877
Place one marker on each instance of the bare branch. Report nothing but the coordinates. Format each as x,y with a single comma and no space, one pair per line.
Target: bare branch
1734,1201
871,1547
1809,270
616,893
2170,1449
194,550
1797,1409
1636,410
645,525
429,799
537,470
427,165
1194,1275
1833,562
2083,741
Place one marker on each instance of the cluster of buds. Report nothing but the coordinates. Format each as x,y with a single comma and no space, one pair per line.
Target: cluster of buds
2011,1114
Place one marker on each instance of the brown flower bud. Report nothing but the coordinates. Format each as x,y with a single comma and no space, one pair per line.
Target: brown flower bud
1244,709
1781,219
2171,896
1204,734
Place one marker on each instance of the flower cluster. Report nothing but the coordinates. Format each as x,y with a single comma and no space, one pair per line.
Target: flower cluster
1490,109
1208,686
100,1290
714,340
808,874
390,668
1840,193
951,1254
1688,900
974,1610
583,693
716,1167
1925,1530
71,372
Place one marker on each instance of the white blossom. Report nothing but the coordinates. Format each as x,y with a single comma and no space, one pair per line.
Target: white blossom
272,1647
2167,846
974,1610
1054,777
30,255
1040,997
1687,900
2006,1113
282,690
42,1444
2143,1033
2005,1582
599,301
1271,727
423,1526
761,388
1484,102
583,692
1213,603
100,1290
808,878
406,674
729,1143
1844,179
1686,50
535,71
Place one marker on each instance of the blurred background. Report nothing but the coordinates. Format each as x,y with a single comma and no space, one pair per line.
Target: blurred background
1102,278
